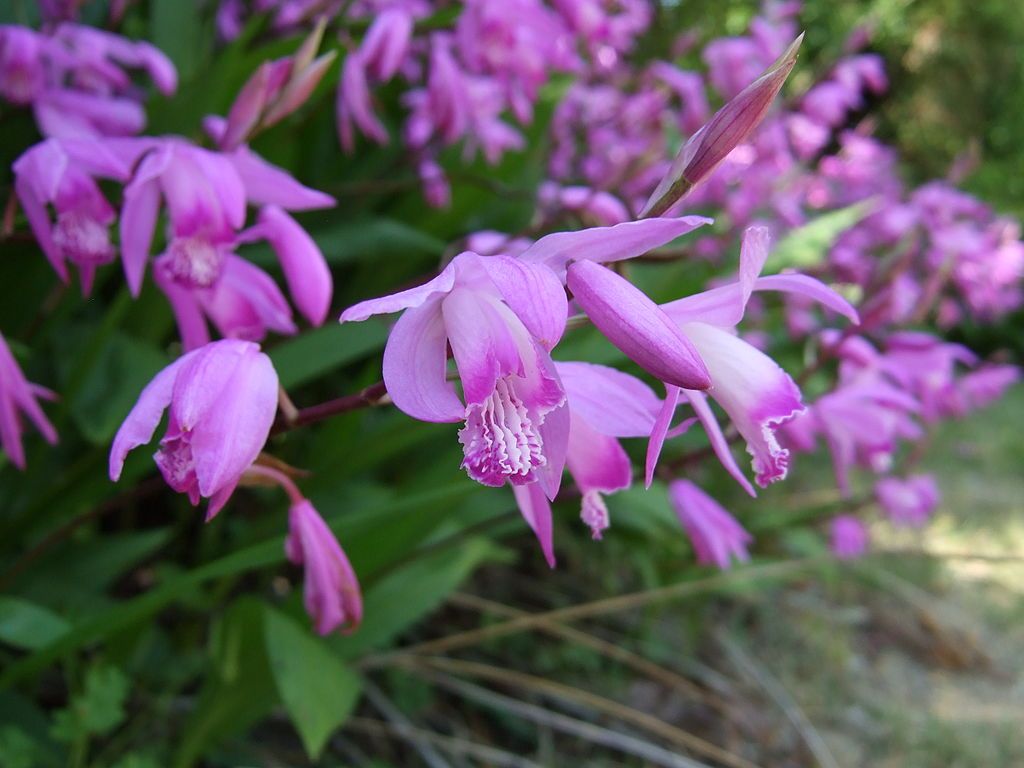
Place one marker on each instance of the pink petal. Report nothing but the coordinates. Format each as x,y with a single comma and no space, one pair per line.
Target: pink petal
354,103
596,461
307,273
607,244
659,432
718,442
810,287
482,332
536,510
555,433
636,325
230,436
144,417
408,299
611,401
415,366
266,184
534,293
725,306
756,393
138,217
39,221
187,313
246,302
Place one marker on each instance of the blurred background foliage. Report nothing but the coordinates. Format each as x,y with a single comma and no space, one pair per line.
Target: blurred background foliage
133,635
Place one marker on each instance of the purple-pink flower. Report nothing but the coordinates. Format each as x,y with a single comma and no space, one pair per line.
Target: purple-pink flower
61,174
849,537
76,81
332,595
717,537
18,397
604,404
222,399
908,501
753,390
502,317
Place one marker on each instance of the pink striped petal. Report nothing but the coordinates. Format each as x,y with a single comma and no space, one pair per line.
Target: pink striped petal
536,510
607,244
613,402
636,325
534,293
415,366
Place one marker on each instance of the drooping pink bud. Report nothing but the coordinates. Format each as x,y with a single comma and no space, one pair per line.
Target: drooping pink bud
729,127
332,595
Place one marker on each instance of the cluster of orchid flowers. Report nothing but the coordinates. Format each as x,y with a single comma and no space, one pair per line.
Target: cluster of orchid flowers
477,344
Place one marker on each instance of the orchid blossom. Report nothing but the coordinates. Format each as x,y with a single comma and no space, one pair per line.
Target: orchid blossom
19,394
222,399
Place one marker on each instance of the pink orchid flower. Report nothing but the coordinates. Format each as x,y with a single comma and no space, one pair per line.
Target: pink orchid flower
501,317
75,80
62,173
19,394
205,194
222,400
717,537
604,405
754,391
908,501
862,422
849,537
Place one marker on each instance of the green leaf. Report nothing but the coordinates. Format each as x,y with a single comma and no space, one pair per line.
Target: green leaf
371,521
98,709
176,28
238,689
320,351
317,689
807,246
26,625
17,750
112,385
406,595
73,576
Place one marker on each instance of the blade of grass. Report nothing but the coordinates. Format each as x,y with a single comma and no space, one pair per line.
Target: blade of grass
595,734
777,692
761,574
628,659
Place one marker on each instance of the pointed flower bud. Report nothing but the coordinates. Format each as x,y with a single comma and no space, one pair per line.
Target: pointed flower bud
730,126
331,591
275,90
